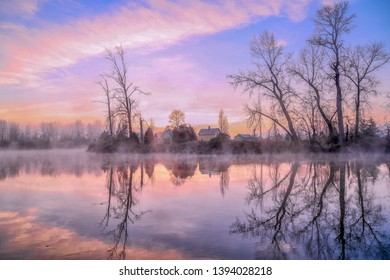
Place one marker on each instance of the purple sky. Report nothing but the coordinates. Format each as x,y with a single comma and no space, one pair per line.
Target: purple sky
52,53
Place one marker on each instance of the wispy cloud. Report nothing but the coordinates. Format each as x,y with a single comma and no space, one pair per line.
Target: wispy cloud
329,2
29,52
19,8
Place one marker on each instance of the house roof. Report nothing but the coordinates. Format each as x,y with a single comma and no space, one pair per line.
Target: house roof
245,136
211,131
167,133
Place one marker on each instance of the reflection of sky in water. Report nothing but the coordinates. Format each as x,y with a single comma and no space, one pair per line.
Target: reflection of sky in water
54,206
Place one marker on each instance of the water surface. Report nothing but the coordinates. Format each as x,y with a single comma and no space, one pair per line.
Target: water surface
75,205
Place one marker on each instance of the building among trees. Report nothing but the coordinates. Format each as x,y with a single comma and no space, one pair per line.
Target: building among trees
166,136
208,133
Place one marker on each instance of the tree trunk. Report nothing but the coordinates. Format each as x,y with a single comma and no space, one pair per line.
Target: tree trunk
294,135
129,121
141,131
341,236
357,117
323,115
339,104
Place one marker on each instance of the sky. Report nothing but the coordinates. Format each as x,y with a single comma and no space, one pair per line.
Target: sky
52,53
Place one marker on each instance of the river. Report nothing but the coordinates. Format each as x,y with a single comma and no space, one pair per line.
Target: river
70,204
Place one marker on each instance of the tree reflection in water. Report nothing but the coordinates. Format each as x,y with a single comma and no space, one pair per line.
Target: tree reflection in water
224,180
321,209
183,169
180,170
124,183
366,216
315,211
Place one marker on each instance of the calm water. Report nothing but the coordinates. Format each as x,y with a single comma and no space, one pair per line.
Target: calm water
76,205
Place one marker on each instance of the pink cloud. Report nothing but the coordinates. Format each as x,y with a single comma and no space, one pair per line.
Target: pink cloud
27,53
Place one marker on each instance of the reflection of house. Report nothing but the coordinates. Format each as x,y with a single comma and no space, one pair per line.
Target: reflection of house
243,137
208,167
166,136
208,133
206,170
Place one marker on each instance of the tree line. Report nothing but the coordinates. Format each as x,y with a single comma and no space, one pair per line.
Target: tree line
48,134
308,93
173,138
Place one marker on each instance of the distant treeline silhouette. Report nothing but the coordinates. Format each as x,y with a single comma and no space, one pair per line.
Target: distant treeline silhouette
48,135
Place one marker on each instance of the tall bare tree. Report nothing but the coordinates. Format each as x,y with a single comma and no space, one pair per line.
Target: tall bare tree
125,91
332,22
269,79
362,61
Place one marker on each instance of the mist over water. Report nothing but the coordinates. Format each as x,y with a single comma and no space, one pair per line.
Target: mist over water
69,204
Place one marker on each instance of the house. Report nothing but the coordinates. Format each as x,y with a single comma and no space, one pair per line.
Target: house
209,168
208,133
245,137
166,136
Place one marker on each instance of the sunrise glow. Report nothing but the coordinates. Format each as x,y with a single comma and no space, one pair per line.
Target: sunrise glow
52,53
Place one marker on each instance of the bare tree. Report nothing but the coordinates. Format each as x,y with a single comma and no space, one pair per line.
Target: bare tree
151,124
77,130
109,103
14,131
49,132
310,69
125,91
93,130
309,118
223,122
254,120
331,23
270,79
3,131
359,68
176,118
